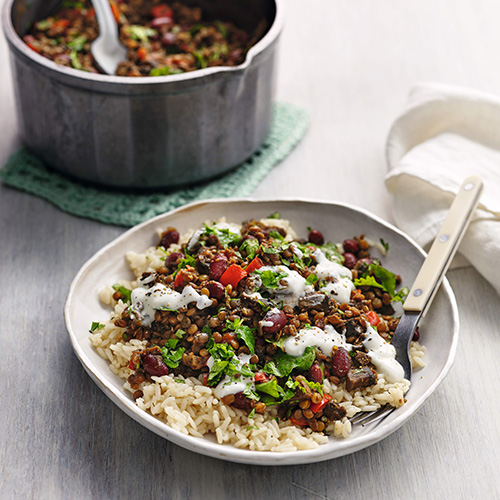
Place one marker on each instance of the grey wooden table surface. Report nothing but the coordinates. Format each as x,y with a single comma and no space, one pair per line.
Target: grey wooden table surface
351,64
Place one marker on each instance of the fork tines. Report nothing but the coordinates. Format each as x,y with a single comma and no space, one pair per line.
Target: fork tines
365,418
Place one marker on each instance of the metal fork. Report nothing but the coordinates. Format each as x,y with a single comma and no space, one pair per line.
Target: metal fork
427,282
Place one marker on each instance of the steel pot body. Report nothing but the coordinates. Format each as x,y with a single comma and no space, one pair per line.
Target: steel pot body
143,132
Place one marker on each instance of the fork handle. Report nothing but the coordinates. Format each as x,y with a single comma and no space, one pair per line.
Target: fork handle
445,245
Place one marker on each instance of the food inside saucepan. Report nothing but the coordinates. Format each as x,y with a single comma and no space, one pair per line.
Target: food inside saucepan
162,39
268,341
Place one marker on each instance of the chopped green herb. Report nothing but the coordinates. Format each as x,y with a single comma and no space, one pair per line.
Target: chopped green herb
276,235
271,279
165,71
401,295
243,332
272,388
75,61
127,294
44,25
224,235
141,33
96,326
311,279
250,247
171,356
201,62
78,43
274,215
188,260
222,28
384,244
284,364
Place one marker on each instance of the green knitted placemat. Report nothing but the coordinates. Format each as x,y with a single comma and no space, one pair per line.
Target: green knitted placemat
26,172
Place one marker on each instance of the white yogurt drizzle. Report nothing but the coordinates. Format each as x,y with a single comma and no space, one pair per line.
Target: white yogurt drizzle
227,386
324,340
383,356
291,287
341,287
145,301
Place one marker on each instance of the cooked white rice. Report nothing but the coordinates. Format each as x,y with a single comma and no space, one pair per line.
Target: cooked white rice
189,407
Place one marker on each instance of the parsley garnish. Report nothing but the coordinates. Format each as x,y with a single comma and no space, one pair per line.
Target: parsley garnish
172,356
127,294
96,326
250,247
243,332
272,388
401,295
165,71
77,43
271,279
141,33
384,244
311,279
379,277
224,235
284,364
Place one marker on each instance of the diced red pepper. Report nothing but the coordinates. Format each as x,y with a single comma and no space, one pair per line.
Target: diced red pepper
61,23
205,378
28,40
315,407
162,10
233,275
373,318
179,280
261,377
255,264
300,422
142,53
135,361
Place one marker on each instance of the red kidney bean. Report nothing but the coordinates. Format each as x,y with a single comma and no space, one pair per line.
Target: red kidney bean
169,237
154,365
366,261
217,266
241,402
341,362
350,260
173,259
157,22
277,318
350,246
416,334
216,289
315,373
316,237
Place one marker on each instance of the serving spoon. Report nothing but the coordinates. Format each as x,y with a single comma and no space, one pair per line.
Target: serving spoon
107,49
428,279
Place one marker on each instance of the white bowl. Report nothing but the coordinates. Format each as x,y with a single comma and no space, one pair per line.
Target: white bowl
439,329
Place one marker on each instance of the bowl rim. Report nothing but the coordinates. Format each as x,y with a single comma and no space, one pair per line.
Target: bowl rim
16,42
244,456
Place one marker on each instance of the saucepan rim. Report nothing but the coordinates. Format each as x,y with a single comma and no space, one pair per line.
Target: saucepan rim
16,42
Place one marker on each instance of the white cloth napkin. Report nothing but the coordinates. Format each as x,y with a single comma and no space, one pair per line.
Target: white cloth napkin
444,135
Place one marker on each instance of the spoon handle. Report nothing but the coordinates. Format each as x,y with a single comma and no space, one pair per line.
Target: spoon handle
445,245
108,28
